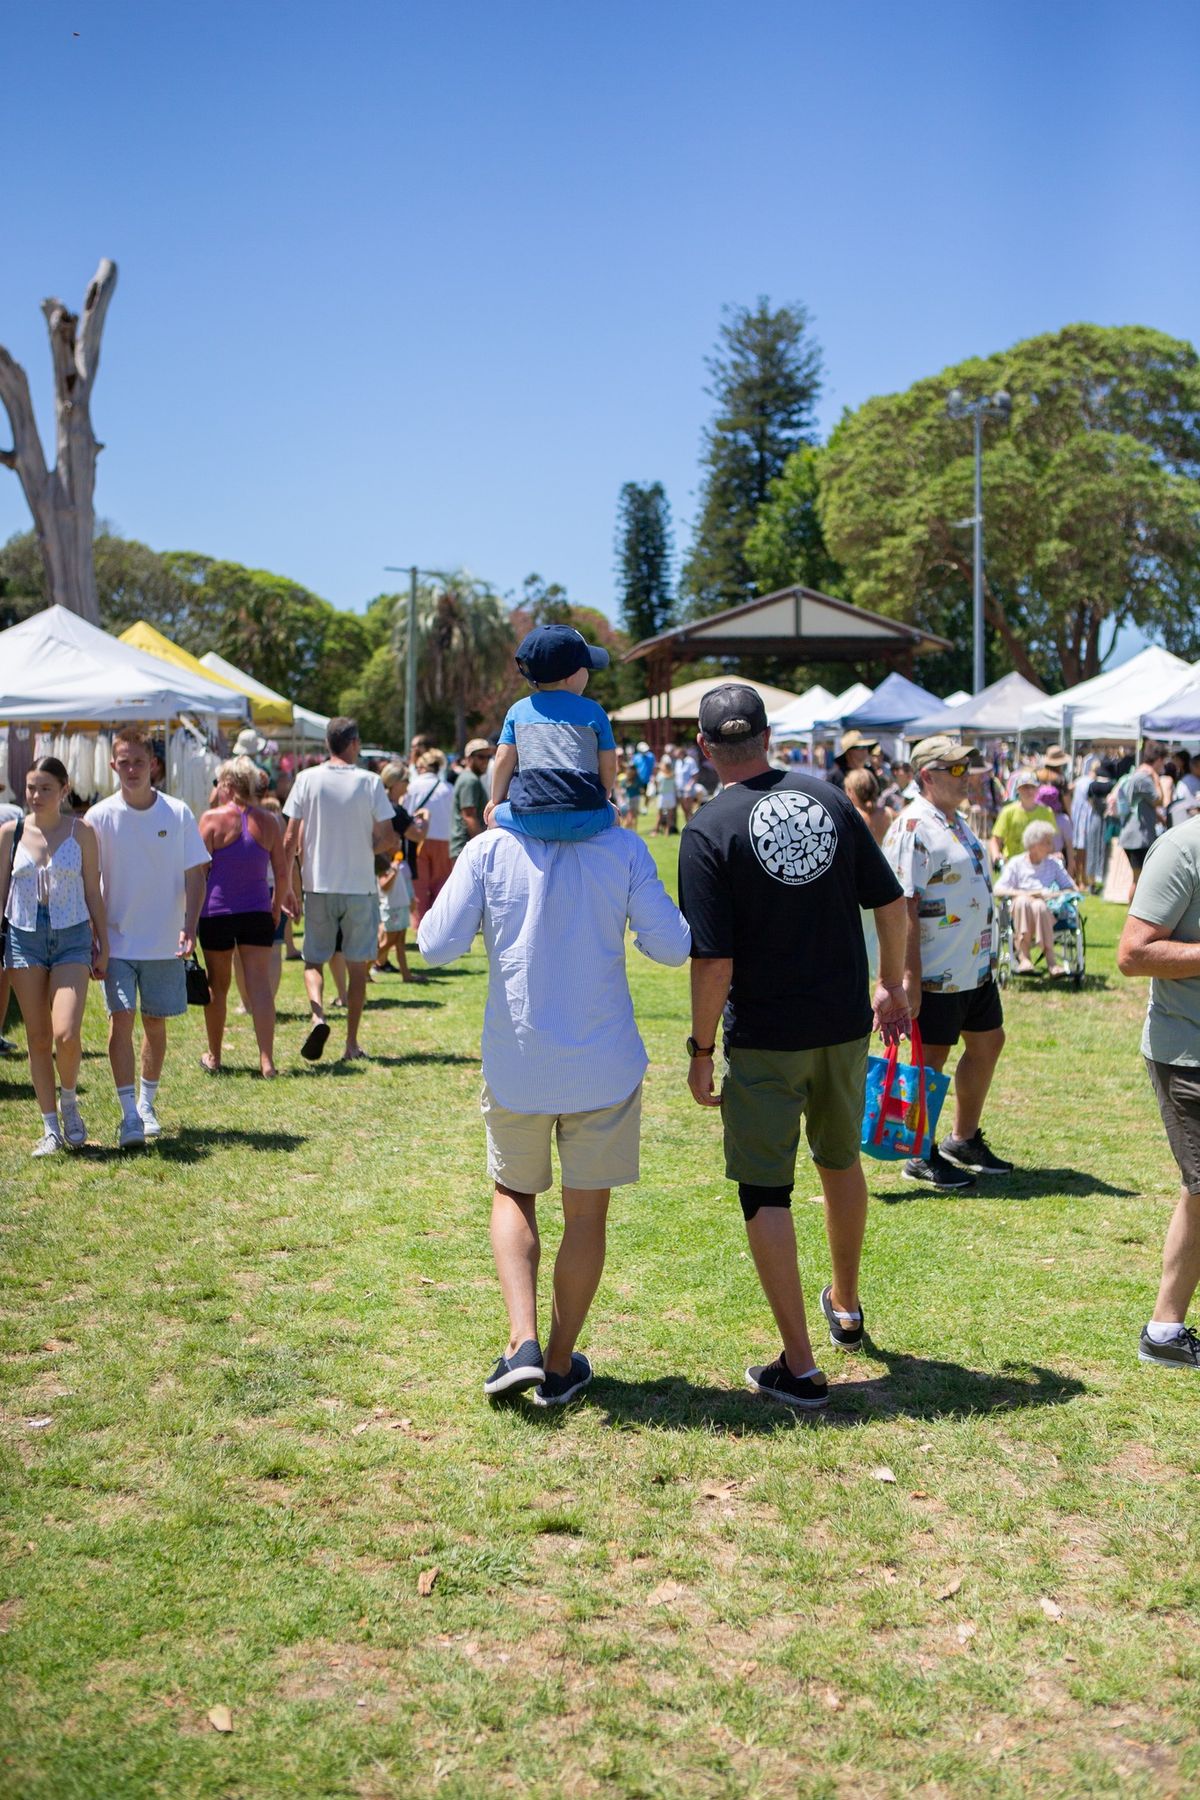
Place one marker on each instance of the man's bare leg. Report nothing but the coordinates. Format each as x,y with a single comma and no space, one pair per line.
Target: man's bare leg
517,1250
356,999
845,1192
1181,1261
772,1238
577,1271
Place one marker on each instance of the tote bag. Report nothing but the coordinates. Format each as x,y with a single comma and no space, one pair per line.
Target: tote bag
903,1101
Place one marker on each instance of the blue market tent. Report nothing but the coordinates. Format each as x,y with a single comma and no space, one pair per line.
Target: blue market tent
895,702
1177,717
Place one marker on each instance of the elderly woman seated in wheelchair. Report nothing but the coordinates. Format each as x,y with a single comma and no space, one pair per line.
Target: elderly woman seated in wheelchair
1040,906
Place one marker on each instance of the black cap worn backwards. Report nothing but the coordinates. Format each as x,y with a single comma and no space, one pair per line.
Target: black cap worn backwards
731,713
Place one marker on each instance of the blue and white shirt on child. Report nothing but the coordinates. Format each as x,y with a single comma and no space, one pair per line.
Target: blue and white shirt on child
556,791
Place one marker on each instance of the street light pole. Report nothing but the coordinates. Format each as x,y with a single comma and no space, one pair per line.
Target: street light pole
999,406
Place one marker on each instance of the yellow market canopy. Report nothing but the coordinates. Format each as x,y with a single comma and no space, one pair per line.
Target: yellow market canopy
144,636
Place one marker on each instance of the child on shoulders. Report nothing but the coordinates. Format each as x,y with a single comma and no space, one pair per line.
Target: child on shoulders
556,757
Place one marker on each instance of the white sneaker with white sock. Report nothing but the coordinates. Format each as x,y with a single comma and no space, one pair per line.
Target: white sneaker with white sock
145,1106
51,1140
131,1130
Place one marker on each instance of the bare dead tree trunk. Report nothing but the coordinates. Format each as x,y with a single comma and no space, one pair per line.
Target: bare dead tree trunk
61,498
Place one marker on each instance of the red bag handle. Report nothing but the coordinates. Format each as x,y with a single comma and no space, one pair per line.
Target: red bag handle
898,1109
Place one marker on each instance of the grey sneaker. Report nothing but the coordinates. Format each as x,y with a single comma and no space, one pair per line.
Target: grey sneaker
131,1134
49,1144
74,1129
1180,1352
150,1125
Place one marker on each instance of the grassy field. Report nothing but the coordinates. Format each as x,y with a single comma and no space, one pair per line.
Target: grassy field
242,1420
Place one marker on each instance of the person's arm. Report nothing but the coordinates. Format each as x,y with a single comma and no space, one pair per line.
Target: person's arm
660,930
291,839
608,770
1004,881
418,831
283,900
504,767
892,1015
195,882
912,956
472,816
6,858
449,929
1165,891
388,878
383,837
89,856
1148,949
711,978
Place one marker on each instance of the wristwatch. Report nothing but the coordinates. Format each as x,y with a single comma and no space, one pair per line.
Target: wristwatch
694,1049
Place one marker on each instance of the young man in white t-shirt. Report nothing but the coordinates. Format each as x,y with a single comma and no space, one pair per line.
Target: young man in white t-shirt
153,872
338,817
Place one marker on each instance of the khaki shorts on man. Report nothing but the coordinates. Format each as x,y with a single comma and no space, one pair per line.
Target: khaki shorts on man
597,1149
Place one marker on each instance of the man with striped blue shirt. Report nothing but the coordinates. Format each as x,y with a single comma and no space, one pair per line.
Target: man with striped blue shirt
562,1059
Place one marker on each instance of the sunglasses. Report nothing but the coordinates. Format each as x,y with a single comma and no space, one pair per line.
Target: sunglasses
958,768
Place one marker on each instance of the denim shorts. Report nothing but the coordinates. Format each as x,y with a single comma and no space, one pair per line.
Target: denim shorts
160,982
46,948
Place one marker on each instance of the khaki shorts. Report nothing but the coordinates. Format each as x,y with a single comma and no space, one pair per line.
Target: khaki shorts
595,1149
767,1093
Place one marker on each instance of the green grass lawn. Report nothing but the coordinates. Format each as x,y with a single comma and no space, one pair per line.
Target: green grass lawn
259,1346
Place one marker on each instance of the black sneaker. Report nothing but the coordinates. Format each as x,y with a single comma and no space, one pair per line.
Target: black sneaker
804,1392
522,1369
315,1042
1180,1352
973,1153
842,1337
934,1171
556,1390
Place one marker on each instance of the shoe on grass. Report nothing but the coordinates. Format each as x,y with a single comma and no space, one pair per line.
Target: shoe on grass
523,1369
131,1134
49,1144
1180,1352
974,1155
73,1128
841,1336
151,1127
315,1042
557,1390
805,1392
935,1172
7,1047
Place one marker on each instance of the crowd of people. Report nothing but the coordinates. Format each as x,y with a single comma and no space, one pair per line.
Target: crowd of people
817,905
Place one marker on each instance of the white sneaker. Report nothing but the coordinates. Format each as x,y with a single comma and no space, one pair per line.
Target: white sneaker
149,1118
74,1129
131,1134
48,1145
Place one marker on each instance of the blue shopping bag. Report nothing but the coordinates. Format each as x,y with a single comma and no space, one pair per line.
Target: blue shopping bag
903,1101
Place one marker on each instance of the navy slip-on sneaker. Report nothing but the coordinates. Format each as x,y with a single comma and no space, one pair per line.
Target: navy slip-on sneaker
522,1369
842,1337
777,1381
556,1390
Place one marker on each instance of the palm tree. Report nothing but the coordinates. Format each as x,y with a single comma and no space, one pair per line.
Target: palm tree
466,647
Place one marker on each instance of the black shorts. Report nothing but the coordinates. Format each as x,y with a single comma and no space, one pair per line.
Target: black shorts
1136,854
944,1017
221,931
1177,1090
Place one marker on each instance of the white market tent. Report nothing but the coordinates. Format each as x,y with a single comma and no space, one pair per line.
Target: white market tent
56,668
800,715
1108,708
307,727
996,712
1178,716
684,702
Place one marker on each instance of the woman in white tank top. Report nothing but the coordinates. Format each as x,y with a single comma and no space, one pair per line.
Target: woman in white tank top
57,936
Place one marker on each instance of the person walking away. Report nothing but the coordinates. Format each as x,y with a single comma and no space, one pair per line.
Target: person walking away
1145,814
667,798
338,818
152,877
431,794
9,813
1030,881
773,872
1008,837
562,1061
470,797
241,911
57,936
395,901
1161,939
862,790
948,975
556,758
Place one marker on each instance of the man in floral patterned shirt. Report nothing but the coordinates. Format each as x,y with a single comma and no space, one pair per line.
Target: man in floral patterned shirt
943,870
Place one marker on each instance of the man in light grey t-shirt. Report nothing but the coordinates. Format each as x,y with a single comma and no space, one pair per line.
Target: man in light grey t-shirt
1162,939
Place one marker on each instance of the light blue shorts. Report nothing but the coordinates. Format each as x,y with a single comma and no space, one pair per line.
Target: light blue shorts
161,984
46,948
555,827
354,916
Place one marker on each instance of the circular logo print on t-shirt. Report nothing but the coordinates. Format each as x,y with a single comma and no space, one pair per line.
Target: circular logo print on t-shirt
794,837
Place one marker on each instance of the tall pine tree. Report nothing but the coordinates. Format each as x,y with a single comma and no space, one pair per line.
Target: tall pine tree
645,548
766,381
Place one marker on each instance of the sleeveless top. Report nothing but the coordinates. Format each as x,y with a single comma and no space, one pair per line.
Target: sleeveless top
237,876
56,884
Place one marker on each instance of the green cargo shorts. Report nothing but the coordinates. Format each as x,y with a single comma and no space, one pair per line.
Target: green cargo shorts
767,1093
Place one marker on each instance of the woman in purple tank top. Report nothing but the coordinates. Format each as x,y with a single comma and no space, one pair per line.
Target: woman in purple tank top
240,910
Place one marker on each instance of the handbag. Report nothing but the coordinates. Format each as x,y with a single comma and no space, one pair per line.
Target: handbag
12,863
198,991
903,1101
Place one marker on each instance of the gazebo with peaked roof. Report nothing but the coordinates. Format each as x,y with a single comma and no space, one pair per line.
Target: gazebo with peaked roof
796,622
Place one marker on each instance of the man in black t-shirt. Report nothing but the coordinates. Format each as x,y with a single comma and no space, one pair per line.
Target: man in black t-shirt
772,875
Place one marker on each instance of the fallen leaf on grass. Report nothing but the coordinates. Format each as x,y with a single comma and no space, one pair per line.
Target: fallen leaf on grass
883,1473
363,1425
832,1700
966,1631
918,1494
890,1576
1051,1608
399,1425
426,1580
39,1424
220,1718
951,1588
665,1594
719,1490
57,1344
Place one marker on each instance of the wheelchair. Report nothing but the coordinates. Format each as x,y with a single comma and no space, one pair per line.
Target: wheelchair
1070,941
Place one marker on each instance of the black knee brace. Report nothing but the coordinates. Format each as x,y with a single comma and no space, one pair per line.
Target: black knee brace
753,1197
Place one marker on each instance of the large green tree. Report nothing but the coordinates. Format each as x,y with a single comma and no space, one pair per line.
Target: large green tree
786,545
644,548
765,377
1091,499
466,646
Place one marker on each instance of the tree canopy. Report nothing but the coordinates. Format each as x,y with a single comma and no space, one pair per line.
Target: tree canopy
1091,503
765,379
644,549
786,546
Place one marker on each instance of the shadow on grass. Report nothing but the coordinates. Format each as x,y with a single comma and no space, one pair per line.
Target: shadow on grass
1022,1184
913,1387
195,1143
410,1059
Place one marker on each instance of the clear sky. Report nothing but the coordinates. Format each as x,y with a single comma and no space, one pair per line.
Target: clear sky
404,282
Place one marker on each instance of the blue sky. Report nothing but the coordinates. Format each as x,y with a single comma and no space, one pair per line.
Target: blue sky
403,282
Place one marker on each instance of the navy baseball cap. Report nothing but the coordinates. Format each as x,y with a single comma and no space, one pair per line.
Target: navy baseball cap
552,652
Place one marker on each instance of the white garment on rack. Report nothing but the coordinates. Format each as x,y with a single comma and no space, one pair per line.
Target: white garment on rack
43,745
81,761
